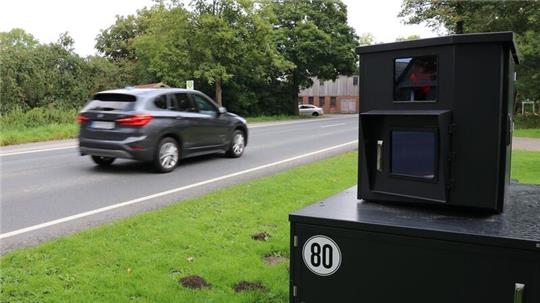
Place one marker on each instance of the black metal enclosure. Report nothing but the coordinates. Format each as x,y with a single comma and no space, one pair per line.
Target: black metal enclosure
436,120
345,250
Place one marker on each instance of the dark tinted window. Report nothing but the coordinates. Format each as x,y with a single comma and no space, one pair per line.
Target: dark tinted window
205,107
413,153
182,103
321,101
310,100
355,81
332,101
161,102
115,97
415,78
111,102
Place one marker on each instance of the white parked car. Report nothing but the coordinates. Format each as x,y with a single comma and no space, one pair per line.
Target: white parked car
310,110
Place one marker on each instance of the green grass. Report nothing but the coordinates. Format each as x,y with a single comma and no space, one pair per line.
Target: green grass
142,258
38,124
274,118
9,136
526,166
527,132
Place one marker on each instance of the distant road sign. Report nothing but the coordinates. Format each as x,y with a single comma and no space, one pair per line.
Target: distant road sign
190,84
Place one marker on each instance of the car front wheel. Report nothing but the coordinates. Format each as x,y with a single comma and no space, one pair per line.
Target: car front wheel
103,161
167,155
238,143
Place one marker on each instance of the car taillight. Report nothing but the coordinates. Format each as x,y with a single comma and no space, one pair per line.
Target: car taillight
82,119
135,120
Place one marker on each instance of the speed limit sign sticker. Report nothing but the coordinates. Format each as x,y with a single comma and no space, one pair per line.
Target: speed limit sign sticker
321,255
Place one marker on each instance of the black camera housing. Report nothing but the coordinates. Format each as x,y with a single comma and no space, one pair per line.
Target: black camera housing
436,120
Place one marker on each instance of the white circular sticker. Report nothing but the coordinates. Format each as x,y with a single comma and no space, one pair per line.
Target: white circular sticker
321,255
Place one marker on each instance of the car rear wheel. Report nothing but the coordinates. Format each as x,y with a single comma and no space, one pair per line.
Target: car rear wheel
315,114
238,144
167,155
103,161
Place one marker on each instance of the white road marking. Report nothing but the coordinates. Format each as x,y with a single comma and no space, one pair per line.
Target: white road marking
263,124
36,150
332,125
168,192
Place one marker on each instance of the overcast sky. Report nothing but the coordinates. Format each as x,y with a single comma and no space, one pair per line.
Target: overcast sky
83,19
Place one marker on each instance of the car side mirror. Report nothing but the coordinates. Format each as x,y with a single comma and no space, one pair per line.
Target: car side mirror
222,110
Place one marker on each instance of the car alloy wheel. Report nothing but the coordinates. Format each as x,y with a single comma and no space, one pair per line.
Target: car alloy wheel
167,156
237,145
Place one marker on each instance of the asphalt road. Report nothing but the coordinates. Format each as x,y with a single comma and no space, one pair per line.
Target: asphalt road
48,190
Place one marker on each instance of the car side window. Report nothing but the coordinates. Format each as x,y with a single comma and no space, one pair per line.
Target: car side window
205,107
161,102
182,103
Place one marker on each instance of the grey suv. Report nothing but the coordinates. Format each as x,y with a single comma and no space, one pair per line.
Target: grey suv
157,125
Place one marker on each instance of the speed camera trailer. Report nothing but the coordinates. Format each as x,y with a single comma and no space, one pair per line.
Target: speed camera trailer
435,128
436,120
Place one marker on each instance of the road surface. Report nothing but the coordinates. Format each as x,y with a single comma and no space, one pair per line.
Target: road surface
48,190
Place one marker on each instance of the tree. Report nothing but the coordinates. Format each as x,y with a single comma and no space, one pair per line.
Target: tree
233,40
408,38
366,39
163,50
116,41
49,75
217,42
522,17
17,38
315,36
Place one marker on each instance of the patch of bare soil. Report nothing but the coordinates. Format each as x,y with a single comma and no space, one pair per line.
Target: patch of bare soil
262,236
194,282
273,260
246,285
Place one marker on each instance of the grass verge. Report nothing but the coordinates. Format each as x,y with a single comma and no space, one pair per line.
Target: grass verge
274,118
143,258
9,135
527,132
526,166
37,124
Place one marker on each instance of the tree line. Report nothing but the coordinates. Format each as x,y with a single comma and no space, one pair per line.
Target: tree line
252,56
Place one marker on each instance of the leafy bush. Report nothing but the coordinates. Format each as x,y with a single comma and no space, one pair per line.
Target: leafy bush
527,121
36,117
